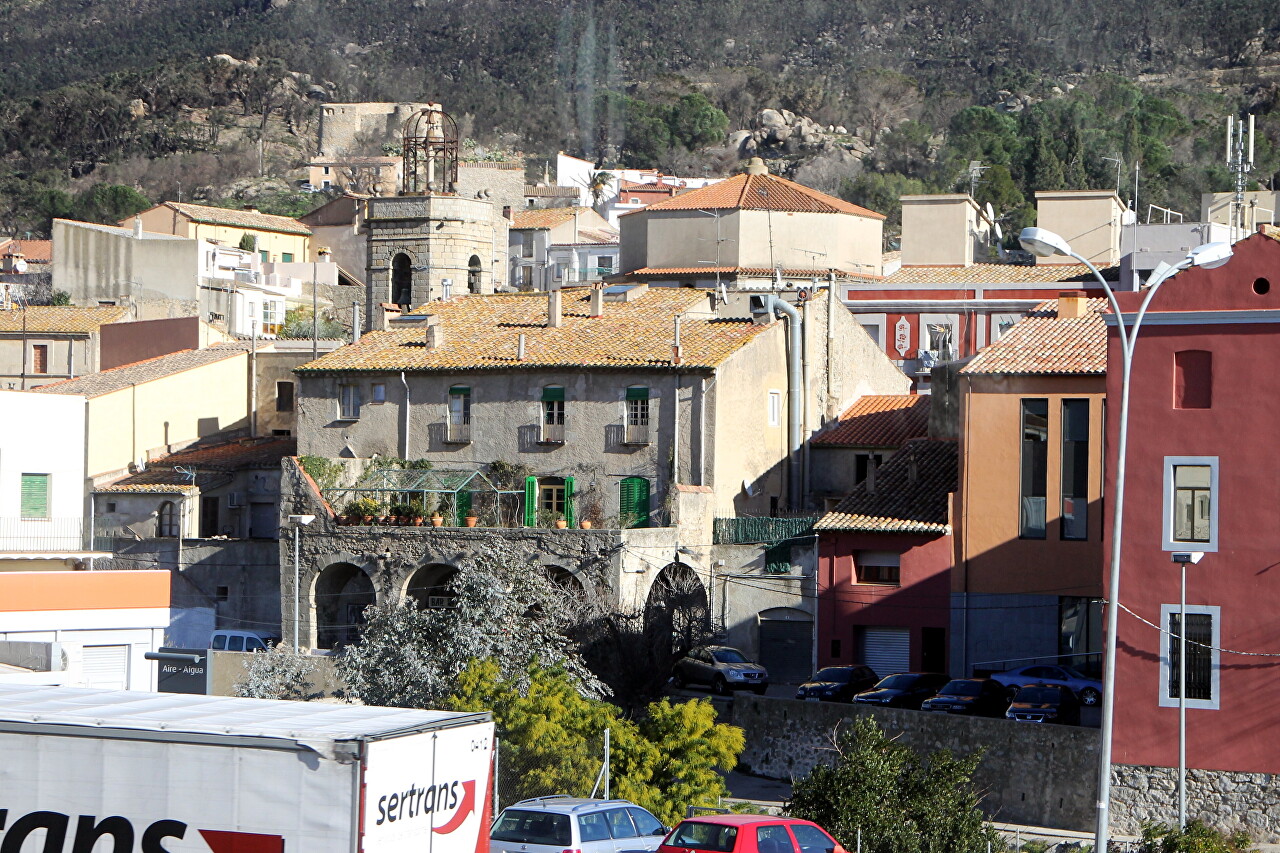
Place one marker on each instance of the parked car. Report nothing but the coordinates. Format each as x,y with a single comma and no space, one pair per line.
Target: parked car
555,824
838,683
1088,690
226,640
903,689
748,833
978,697
1045,703
723,668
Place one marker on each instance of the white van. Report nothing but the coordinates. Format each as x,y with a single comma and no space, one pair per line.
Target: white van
226,640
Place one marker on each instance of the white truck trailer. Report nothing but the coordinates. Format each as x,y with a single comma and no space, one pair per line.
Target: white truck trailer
100,771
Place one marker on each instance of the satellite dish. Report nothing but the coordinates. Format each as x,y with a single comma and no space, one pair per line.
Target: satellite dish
999,231
991,212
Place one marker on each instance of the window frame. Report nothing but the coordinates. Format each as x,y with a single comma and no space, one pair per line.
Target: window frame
1214,612
1215,498
775,408
887,563
47,480
1023,494
378,393
40,362
636,414
349,409
285,402
1065,478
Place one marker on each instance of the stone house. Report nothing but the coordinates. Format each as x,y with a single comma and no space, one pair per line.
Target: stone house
40,344
278,239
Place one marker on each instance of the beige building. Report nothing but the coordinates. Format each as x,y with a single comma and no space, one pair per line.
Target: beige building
278,239
364,175
41,344
746,228
1089,220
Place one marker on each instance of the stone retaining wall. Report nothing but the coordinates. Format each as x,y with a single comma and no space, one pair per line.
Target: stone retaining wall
1227,801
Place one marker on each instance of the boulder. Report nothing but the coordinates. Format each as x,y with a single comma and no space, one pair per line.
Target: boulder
789,116
770,118
840,128
737,138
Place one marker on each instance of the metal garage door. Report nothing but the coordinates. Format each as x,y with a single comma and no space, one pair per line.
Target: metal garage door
786,650
887,650
106,667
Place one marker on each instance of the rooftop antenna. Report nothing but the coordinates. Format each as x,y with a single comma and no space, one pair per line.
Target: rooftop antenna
975,176
1119,165
1240,162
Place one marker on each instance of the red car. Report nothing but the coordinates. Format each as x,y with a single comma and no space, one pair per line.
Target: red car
748,833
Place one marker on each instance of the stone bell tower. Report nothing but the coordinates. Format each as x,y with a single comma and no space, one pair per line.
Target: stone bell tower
426,243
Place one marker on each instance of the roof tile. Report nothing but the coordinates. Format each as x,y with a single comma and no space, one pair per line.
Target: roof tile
910,494
547,217
1041,343
761,192
235,218
1000,274
60,318
879,420
118,378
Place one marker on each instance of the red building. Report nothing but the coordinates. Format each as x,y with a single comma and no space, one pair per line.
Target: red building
884,565
1205,404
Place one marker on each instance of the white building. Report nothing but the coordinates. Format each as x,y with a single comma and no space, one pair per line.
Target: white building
577,173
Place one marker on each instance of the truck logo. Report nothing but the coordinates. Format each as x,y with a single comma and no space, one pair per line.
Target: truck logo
89,831
427,801
465,808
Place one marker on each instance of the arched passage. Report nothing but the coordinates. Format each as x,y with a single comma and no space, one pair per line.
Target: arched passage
401,280
473,274
676,615
429,586
342,592
565,579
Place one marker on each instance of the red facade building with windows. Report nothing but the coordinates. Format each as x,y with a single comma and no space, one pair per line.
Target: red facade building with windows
1203,475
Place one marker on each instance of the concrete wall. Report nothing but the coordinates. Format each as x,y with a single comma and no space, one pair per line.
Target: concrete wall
145,419
125,343
99,263
746,447
42,434
1089,220
228,670
1036,775
67,356
500,183
791,240
942,230
744,591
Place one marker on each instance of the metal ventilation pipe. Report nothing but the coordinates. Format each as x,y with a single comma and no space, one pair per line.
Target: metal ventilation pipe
795,398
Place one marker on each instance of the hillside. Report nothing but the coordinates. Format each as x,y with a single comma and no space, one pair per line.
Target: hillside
91,82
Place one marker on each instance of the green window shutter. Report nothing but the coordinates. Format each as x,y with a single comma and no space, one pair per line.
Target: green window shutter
553,393
637,393
35,496
777,560
530,501
460,390
463,504
633,502
568,500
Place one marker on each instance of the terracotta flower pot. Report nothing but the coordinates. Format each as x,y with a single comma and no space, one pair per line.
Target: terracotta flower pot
417,520
437,520
561,524
471,520
368,519
585,524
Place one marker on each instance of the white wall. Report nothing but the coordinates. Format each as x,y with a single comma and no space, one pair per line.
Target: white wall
140,628
42,434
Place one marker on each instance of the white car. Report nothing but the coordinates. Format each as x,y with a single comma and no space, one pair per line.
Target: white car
556,824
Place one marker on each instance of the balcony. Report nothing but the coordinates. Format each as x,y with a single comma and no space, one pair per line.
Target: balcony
636,434
458,433
43,535
552,434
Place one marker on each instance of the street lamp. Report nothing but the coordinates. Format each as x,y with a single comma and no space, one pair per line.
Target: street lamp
298,522
1182,559
1044,243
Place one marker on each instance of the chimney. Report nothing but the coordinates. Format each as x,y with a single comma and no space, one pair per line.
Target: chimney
520,348
756,166
597,302
506,212
434,336
554,317
137,227
1072,304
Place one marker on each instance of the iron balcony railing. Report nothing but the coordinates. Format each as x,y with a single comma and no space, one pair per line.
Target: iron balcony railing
43,534
459,432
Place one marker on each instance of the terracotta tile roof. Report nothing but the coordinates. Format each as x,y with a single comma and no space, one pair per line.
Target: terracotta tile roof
118,378
547,217
597,236
60,318
35,251
760,192
1000,274
149,484
482,333
752,272
211,463
235,218
532,191
911,493
1041,343
879,420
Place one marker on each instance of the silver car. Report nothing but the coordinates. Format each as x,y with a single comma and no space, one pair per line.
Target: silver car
723,668
556,824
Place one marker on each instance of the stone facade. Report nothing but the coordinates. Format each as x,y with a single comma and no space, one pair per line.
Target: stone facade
1249,802
344,126
445,238
499,182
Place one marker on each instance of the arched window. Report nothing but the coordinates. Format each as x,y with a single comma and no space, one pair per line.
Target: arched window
401,280
473,274
167,521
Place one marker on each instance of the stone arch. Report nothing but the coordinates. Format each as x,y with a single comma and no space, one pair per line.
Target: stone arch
341,593
564,578
428,586
474,272
401,279
676,615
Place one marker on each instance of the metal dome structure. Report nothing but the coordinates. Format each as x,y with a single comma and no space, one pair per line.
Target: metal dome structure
430,145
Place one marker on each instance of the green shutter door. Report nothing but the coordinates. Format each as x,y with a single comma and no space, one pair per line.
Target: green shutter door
463,503
530,501
633,502
568,500
35,496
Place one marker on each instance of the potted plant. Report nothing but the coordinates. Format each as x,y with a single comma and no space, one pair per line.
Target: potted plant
470,520
417,513
560,521
584,523
402,513
365,509
437,520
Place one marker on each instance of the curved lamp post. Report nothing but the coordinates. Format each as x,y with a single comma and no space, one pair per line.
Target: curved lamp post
1044,243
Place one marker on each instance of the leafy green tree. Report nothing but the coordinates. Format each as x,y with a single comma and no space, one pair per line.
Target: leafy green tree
280,673
1195,837
110,203
981,133
60,297
552,735
1045,172
899,801
249,243
696,123
881,191
998,189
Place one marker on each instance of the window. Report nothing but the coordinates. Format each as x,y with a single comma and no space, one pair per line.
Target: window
524,277
284,396
1032,488
349,402
40,358
777,559
559,270
553,414
775,408
1192,379
620,825
879,567
551,496
526,244
286,257
811,839
264,256
222,593
326,170
401,280
773,839
593,827
646,824
34,497
459,426
605,264
167,521
637,426
1075,469
1191,508
379,393
633,502
1203,633
326,183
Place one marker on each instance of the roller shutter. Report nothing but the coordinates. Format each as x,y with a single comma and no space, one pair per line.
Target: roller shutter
786,650
886,650
106,667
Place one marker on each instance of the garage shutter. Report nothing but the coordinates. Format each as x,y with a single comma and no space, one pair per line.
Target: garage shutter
786,650
106,667
886,650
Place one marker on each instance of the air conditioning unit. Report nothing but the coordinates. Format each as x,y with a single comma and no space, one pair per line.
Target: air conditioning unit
235,499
